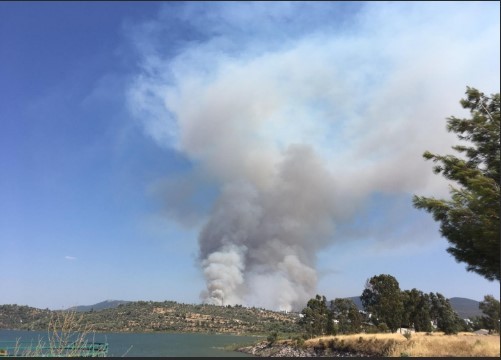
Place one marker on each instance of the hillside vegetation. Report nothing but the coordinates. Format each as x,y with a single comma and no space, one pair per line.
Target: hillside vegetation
165,316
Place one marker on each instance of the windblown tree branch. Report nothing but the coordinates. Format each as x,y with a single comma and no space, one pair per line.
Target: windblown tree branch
470,219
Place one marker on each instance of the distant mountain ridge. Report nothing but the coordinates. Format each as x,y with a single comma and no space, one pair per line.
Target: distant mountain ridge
465,308
107,304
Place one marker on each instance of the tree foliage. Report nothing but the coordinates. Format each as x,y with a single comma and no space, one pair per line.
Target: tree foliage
446,319
315,316
382,297
416,310
490,308
346,313
388,308
470,219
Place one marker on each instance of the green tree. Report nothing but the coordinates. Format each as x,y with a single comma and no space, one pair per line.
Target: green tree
315,316
354,317
330,328
470,219
416,310
478,323
346,313
382,297
446,318
490,308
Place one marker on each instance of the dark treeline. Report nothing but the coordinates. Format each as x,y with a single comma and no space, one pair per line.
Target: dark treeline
388,308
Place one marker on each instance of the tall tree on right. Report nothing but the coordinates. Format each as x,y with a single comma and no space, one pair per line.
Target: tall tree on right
470,219
490,308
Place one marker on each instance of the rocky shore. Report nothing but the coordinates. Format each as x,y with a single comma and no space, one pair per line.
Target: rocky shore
285,349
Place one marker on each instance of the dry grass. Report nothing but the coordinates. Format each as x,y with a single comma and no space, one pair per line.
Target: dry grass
419,345
66,337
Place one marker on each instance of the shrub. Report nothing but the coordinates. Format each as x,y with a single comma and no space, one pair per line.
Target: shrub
272,338
299,341
321,345
383,327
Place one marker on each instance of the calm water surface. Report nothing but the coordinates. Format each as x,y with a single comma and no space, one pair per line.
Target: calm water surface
156,344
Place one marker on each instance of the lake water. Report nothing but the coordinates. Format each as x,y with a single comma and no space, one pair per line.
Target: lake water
152,344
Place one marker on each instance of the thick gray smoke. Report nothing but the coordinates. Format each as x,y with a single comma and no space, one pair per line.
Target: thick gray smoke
261,241
299,119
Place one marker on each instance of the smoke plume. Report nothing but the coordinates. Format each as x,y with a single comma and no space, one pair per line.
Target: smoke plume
300,114
262,238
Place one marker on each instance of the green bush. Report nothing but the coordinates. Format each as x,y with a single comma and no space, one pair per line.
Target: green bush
272,338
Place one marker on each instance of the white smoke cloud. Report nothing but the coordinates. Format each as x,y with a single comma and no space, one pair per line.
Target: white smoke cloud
300,114
224,273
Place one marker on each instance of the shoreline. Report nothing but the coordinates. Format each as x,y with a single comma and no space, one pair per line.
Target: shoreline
256,335
381,345
288,349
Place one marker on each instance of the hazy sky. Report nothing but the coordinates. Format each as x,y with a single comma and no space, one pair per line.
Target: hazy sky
176,151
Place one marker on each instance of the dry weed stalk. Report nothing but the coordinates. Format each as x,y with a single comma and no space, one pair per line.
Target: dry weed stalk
67,336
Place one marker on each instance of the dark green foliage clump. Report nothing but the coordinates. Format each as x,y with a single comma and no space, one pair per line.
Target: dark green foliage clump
490,309
445,317
387,308
382,297
349,319
315,316
417,307
470,219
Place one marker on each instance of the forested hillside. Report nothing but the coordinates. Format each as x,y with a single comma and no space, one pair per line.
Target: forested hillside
165,316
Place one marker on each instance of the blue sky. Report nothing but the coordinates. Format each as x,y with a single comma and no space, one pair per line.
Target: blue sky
127,128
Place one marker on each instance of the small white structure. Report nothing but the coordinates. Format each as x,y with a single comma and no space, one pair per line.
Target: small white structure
405,330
